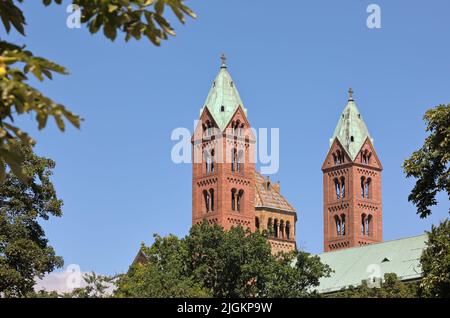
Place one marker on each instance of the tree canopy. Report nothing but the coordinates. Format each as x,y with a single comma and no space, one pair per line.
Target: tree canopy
430,165
134,18
391,287
435,262
24,250
211,262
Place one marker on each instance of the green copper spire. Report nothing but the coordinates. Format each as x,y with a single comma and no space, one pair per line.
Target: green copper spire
351,131
223,98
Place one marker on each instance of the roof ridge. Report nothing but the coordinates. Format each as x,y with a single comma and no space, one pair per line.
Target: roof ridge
373,244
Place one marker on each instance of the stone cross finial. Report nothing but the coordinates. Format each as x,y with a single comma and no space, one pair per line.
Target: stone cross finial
350,94
223,58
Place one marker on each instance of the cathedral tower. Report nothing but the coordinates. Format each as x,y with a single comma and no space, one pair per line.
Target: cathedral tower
352,209
223,170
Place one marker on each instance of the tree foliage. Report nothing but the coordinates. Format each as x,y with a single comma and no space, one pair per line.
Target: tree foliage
133,18
435,262
391,287
97,286
430,165
24,249
163,275
211,262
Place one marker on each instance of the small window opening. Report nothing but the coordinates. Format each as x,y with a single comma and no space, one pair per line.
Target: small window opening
222,108
352,139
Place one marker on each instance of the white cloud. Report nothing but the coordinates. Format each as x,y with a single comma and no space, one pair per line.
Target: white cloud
61,282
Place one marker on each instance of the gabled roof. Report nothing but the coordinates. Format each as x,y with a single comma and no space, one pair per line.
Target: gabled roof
351,130
224,93
353,265
269,197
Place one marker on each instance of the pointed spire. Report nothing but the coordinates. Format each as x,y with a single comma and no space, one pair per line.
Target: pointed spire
223,98
351,131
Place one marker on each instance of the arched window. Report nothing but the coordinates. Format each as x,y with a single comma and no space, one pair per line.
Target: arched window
233,159
275,228
288,230
337,221
365,156
368,225
206,198
363,189
211,194
233,199
343,187
270,226
222,108
335,159
257,222
212,160
339,157
281,229
236,127
343,229
337,188
208,128
240,197
363,224
240,158
367,187
206,157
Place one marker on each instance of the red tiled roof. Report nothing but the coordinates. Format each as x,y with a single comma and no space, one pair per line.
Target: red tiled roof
269,196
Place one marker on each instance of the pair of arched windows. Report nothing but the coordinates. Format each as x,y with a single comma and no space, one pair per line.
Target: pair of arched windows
279,228
237,158
366,225
339,187
340,223
237,198
338,157
208,128
366,187
208,196
238,127
365,157
209,160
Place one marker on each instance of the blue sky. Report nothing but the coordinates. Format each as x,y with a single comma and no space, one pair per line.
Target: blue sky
292,62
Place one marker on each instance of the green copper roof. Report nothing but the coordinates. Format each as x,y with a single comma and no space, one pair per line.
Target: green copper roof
353,265
223,99
351,129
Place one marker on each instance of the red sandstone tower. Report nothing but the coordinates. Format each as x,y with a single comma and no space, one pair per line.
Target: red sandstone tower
223,170
352,210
